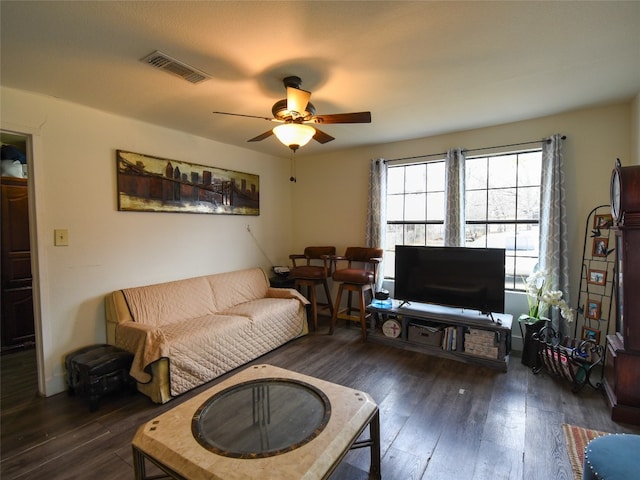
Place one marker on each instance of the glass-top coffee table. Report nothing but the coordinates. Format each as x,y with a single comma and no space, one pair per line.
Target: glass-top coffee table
261,418
264,422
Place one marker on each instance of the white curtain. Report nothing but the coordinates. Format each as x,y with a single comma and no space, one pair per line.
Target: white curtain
377,211
554,252
454,220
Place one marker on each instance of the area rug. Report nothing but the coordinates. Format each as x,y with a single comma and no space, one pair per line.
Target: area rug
577,438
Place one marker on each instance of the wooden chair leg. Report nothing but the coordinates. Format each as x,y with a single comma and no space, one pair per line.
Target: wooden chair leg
336,308
328,294
349,300
363,315
314,306
311,295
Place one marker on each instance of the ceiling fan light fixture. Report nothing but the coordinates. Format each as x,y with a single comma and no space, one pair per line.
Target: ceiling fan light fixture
294,135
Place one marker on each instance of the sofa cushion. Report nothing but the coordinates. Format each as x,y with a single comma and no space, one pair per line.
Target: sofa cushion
266,311
232,288
201,349
189,298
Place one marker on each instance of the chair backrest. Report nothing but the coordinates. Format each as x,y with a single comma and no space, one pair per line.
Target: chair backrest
315,263
317,252
361,269
363,254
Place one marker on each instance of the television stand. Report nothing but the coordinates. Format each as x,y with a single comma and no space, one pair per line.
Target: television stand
459,334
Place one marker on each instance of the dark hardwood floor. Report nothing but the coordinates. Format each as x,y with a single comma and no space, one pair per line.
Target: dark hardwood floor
440,419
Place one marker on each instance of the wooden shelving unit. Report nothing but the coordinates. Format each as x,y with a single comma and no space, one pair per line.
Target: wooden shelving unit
493,334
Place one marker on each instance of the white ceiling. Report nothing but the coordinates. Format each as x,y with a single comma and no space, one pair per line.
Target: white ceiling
422,68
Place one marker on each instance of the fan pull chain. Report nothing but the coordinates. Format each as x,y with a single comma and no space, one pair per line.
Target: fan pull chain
292,178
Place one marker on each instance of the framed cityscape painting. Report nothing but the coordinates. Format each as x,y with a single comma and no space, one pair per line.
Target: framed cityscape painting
154,184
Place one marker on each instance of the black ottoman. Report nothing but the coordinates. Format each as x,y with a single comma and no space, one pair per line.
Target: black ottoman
97,370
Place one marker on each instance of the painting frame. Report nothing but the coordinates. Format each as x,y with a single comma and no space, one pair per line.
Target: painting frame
590,334
596,277
593,309
147,183
600,247
604,220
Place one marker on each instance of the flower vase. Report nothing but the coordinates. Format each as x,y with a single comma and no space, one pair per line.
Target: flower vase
529,345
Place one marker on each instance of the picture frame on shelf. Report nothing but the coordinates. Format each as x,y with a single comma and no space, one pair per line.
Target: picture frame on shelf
591,334
593,309
597,277
602,221
600,247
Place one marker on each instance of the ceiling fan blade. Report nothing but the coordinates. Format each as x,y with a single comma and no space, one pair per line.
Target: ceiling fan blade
248,116
262,136
297,100
356,117
322,137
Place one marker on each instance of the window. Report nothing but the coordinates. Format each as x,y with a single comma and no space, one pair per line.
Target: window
502,208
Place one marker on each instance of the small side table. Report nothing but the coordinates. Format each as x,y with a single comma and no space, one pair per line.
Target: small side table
278,281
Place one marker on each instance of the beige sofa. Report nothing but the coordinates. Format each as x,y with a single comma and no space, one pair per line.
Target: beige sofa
188,332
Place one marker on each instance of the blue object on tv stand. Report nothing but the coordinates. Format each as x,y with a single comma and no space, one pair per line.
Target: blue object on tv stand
382,303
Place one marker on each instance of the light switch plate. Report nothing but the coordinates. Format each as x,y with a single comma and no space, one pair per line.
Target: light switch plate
61,237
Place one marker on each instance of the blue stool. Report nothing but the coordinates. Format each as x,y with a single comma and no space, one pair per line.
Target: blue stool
612,457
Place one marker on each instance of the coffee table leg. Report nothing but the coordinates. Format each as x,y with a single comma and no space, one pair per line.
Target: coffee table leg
138,465
374,430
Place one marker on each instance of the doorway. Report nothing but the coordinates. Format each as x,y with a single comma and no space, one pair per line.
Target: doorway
19,352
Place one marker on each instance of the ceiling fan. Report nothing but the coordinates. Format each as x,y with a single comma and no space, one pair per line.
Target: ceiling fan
296,115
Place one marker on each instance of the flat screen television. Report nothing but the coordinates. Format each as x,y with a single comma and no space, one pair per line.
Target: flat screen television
471,278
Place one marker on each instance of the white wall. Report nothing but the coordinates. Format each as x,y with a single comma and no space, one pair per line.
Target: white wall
331,195
74,173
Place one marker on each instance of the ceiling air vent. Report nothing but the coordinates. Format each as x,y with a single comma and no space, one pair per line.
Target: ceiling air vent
164,62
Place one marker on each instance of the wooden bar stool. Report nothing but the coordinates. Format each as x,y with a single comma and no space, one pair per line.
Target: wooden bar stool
311,270
359,276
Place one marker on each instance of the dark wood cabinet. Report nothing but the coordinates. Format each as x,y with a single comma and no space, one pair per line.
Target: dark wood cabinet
622,365
17,299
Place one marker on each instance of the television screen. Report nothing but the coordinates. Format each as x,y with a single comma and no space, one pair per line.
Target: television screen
471,278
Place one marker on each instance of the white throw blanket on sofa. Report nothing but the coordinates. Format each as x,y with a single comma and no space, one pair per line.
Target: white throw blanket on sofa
207,326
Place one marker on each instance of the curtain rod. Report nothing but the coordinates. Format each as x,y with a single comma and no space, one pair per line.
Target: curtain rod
473,149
